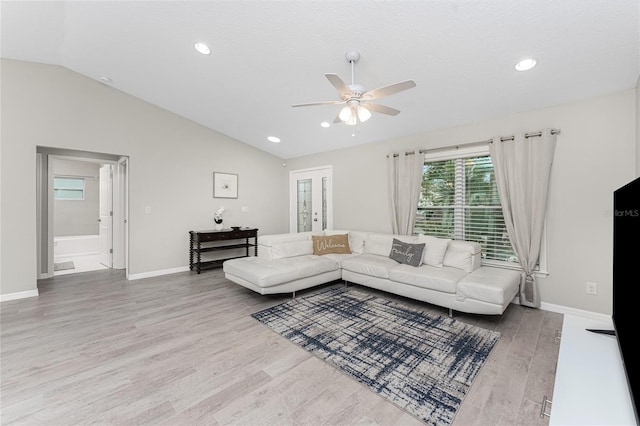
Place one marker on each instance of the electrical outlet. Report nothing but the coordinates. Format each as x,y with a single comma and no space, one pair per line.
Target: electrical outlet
592,288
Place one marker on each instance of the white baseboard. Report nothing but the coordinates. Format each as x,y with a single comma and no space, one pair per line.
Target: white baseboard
18,295
576,312
132,277
150,274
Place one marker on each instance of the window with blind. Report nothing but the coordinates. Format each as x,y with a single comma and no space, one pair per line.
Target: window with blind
460,200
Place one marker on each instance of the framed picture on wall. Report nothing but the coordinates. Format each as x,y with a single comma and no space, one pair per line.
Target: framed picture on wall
225,185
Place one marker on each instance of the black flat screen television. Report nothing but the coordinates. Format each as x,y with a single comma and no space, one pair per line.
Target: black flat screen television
626,281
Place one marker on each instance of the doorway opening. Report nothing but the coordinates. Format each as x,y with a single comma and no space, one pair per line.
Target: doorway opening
80,191
82,211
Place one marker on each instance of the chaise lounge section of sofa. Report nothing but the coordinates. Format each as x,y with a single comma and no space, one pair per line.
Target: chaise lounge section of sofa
448,273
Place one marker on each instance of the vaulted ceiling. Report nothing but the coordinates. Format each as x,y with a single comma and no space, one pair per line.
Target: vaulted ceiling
268,55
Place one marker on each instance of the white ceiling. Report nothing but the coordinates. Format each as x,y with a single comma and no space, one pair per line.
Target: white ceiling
269,55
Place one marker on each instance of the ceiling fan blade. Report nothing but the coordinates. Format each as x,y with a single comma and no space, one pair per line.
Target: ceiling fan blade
340,85
389,90
382,109
337,119
320,103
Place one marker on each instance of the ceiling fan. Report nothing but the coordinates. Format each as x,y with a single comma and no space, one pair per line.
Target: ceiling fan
357,100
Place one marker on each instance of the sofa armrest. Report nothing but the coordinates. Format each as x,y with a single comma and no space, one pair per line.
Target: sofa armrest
275,246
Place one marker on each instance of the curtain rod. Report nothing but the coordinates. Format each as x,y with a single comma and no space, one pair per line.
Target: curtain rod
488,141
75,176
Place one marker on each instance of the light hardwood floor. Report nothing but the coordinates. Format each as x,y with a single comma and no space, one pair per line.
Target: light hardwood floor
182,349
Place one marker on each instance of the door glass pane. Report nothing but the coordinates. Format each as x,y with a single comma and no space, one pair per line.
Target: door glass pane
304,205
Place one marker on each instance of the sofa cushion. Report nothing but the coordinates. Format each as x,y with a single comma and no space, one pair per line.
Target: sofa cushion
338,243
434,250
380,244
492,285
431,277
267,273
339,257
460,254
406,253
291,249
370,264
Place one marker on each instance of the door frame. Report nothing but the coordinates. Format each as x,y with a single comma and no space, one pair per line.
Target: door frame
106,199
324,171
45,210
121,207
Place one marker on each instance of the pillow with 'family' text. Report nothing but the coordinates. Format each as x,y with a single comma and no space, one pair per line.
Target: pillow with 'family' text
409,254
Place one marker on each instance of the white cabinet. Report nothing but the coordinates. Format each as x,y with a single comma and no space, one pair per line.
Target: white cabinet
590,386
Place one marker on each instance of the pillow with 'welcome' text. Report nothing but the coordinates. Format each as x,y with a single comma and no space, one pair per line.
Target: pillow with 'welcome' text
325,244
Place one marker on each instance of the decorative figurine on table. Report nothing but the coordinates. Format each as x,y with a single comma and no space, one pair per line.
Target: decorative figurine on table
217,218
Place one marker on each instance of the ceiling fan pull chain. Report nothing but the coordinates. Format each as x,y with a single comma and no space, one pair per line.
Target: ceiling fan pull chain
353,73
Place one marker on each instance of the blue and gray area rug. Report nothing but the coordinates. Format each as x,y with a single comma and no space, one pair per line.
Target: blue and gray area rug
424,364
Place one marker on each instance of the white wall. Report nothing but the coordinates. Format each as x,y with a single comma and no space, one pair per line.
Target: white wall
595,154
172,161
77,217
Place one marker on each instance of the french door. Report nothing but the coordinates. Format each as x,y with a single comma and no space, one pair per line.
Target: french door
311,199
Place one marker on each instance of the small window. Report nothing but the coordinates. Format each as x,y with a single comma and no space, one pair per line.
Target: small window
68,188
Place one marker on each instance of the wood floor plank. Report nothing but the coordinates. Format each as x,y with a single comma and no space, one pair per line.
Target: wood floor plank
182,349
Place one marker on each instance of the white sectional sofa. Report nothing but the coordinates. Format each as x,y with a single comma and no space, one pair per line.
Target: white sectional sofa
449,272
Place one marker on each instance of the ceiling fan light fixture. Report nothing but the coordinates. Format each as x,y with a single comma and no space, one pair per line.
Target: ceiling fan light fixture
363,114
346,114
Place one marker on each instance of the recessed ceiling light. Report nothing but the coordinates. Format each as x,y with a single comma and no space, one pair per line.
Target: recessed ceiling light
526,64
104,79
203,48
273,139
325,124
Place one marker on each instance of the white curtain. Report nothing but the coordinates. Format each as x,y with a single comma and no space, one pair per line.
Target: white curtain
522,168
405,183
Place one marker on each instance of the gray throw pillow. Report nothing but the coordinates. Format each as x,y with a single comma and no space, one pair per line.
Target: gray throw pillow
409,254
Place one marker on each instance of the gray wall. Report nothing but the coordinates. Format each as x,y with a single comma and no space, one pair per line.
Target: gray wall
171,160
596,153
77,217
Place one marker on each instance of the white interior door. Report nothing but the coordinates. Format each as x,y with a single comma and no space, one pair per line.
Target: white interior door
311,200
106,216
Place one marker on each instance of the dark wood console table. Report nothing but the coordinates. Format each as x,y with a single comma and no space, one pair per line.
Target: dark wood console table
216,241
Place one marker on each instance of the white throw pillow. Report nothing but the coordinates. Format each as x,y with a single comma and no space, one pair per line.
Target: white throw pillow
378,244
434,250
460,255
